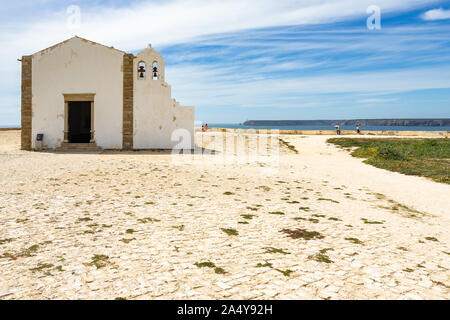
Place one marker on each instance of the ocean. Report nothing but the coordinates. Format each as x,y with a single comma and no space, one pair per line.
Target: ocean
363,128
366,128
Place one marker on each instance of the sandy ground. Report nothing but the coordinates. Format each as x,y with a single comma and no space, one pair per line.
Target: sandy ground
134,225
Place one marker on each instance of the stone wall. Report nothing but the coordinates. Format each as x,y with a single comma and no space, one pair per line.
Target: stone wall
160,122
26,114
128,97
78,67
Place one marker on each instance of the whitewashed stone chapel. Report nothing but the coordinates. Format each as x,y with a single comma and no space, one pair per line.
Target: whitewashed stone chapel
81,93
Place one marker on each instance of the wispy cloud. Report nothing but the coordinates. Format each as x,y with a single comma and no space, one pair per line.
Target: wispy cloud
377,100
436,14
238,53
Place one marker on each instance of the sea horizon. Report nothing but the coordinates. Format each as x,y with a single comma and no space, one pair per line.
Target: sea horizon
326,127
308,128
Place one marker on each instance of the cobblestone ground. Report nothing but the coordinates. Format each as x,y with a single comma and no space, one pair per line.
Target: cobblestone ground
138,226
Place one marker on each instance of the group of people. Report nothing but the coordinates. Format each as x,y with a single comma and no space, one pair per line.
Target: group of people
205,127
338,129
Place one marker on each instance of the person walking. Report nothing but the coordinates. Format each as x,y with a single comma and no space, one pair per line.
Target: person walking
358,129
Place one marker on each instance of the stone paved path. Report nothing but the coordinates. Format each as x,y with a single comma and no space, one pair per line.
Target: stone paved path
138,226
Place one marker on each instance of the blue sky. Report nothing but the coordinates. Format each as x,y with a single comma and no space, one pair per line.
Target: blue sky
238,60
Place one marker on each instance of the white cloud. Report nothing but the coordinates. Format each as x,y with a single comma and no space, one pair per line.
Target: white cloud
377,100
436,14
211,86
132,27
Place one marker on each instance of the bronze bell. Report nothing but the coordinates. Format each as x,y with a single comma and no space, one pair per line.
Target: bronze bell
141,72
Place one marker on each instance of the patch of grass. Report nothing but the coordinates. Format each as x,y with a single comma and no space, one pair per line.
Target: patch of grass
41,266
286,273
439,283
421,157
304,209
264,188
303,234
276,250
243,222
99,261
288,145
405,210
209,264
248,216
354,240
431,239
334,219
219,270
130,231
129,213
265,265
230,232
2,241
325,199
277,213
320,257
228,193
127,240
180,228
419,265
84,219
371,222
253,209
29,252
147,220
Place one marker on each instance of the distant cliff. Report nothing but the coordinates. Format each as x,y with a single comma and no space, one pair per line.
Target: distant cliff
363,122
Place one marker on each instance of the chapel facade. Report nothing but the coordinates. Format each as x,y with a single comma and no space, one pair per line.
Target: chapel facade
82,93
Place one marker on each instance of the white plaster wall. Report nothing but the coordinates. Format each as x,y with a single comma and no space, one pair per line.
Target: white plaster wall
77,66
156,114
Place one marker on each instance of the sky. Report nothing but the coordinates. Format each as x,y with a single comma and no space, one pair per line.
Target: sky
237,60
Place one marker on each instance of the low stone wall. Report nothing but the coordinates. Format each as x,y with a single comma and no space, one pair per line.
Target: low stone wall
437,134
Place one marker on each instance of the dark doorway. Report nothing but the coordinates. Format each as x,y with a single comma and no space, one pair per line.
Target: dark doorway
80,122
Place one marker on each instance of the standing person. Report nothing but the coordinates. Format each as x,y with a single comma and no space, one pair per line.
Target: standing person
358,129
206,127
338,129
